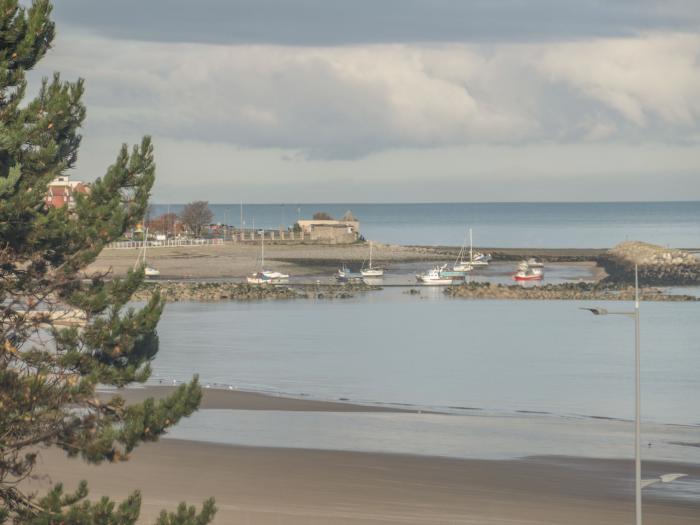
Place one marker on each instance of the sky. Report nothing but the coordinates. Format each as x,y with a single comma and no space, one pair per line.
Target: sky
391,100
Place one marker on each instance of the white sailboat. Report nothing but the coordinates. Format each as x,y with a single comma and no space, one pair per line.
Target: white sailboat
149,271
476,258
371,271
462,266
266,276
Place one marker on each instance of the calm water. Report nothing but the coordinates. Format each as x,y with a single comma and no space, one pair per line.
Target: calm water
429,351
553,225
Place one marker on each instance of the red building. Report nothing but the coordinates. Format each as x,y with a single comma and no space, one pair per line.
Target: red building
62,192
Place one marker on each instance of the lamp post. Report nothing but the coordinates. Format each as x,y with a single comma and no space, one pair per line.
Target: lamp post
637,459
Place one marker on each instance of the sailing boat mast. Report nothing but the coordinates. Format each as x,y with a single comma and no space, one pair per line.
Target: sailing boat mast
370,255
262,251
471,247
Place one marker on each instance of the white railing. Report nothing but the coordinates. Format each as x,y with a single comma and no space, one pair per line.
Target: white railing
169,243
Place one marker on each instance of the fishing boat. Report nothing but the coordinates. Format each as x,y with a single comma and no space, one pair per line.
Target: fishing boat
345,275
527,273
266,276
534,263
149,271
435,277
370,271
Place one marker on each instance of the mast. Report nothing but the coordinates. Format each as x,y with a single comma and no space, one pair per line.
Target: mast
370,255
471,247
262,251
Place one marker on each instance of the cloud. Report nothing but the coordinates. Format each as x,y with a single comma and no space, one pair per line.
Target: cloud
352,101
653,77
324,22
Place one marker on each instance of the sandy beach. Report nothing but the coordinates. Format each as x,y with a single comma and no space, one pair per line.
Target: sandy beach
231,260
216,398
268,486
272,486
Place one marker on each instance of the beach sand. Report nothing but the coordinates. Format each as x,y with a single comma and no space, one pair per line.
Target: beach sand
269,486
273,486
235,260
216,398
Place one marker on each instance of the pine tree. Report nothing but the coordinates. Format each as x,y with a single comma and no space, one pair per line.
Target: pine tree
49,370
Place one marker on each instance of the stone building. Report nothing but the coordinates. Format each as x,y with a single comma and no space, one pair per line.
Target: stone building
331,231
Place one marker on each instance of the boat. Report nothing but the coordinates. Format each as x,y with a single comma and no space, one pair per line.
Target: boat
527,273
462,266
266,276
476,259
370,271
534,263
480,259
149,271
435,277
345,275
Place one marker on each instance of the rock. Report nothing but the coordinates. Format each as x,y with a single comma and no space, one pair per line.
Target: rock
658,266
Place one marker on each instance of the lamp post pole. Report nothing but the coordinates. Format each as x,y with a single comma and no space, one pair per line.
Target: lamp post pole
637,405
637,394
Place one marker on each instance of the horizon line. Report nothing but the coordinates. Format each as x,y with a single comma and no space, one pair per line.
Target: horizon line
294,203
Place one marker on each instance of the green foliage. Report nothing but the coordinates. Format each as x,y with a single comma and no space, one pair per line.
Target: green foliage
61,337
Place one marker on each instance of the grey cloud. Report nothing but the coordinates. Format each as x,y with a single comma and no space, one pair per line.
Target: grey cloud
329,22
348,102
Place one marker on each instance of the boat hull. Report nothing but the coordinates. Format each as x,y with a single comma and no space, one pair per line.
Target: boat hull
536,277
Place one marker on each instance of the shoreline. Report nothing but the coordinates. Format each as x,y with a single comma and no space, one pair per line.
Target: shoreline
268,486
233,260
218,398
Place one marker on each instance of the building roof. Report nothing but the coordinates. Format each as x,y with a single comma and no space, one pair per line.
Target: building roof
349,217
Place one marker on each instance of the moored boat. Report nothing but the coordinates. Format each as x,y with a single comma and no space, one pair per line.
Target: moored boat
370,271
435,277
526,273
345,275
534,263
149,271
266,276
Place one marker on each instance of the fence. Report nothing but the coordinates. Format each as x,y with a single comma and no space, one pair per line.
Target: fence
169,243
239,236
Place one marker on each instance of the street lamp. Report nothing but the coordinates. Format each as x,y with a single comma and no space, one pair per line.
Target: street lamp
634,314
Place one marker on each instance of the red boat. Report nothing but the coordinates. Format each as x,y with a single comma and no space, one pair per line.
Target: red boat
525,273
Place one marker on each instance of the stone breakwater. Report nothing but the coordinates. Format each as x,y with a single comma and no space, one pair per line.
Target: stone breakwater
567,291
658,266
227,291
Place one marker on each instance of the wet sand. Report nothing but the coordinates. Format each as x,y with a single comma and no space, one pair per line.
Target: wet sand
217,398
232,260
270,486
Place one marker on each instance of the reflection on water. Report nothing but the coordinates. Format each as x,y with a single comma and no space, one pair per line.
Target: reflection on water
425,350
478,437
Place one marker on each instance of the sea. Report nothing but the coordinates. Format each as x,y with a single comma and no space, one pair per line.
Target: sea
482,378
506,225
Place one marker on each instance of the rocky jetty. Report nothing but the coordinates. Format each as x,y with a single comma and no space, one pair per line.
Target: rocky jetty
175,291
567,291
658,266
